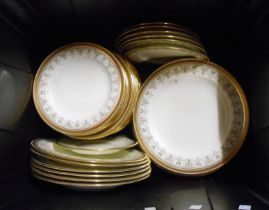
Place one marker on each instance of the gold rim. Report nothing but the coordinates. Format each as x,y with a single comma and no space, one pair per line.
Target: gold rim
242,135
178,34
36,98
91,180
81,184
161,42
137,29
127,114
191,53
156,37
53,166
159,23
90,175
90,164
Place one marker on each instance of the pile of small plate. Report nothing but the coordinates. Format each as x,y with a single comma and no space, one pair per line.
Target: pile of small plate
85,91
159,42
101,164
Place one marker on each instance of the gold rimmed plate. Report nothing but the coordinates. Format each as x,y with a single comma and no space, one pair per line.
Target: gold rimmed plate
161,54
80,70
191,117
178,34
156,38
90,175
89,179
158,27
88,186
67,167
50,148
161,42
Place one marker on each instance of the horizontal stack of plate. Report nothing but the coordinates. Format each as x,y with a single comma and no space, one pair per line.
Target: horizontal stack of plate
85,91
101,164
159,42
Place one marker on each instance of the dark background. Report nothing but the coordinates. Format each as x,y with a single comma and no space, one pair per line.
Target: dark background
235,34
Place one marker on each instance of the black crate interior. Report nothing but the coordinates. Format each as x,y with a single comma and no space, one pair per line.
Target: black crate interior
235,34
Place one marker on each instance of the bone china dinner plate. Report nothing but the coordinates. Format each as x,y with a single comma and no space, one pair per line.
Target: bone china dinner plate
49,147
191,117
78,88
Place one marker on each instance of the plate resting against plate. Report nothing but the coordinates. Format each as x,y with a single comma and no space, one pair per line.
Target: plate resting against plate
186,96
67,81
159,43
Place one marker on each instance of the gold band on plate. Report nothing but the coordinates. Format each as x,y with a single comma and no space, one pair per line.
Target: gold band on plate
90,185
90,164
100,125
161,42
243,133
157,37
91,180
80,169
90,175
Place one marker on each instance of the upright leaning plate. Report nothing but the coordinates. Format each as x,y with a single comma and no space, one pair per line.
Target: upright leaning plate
78,88
191,117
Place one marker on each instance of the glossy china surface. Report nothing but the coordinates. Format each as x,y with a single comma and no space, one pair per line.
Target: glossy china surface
191,117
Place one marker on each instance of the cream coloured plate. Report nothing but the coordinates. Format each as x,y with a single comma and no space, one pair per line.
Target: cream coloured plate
77,87
49,147
88,186
90,179
191,117
65,168
102,146
90,175
161,54
97,165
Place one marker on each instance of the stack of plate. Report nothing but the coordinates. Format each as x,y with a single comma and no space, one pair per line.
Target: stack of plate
159,42
77,164
191,117
86,92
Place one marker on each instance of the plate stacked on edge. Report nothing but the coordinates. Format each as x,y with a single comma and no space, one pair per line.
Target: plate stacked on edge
159,42
191,117
85,91
76,164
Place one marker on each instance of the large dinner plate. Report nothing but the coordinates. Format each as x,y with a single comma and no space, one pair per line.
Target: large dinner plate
191,117
49,147
91,179
53,165
88,186
78,88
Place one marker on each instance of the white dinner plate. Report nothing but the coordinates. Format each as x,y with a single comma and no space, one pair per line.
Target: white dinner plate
99,147
191,117
77,88
49,147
